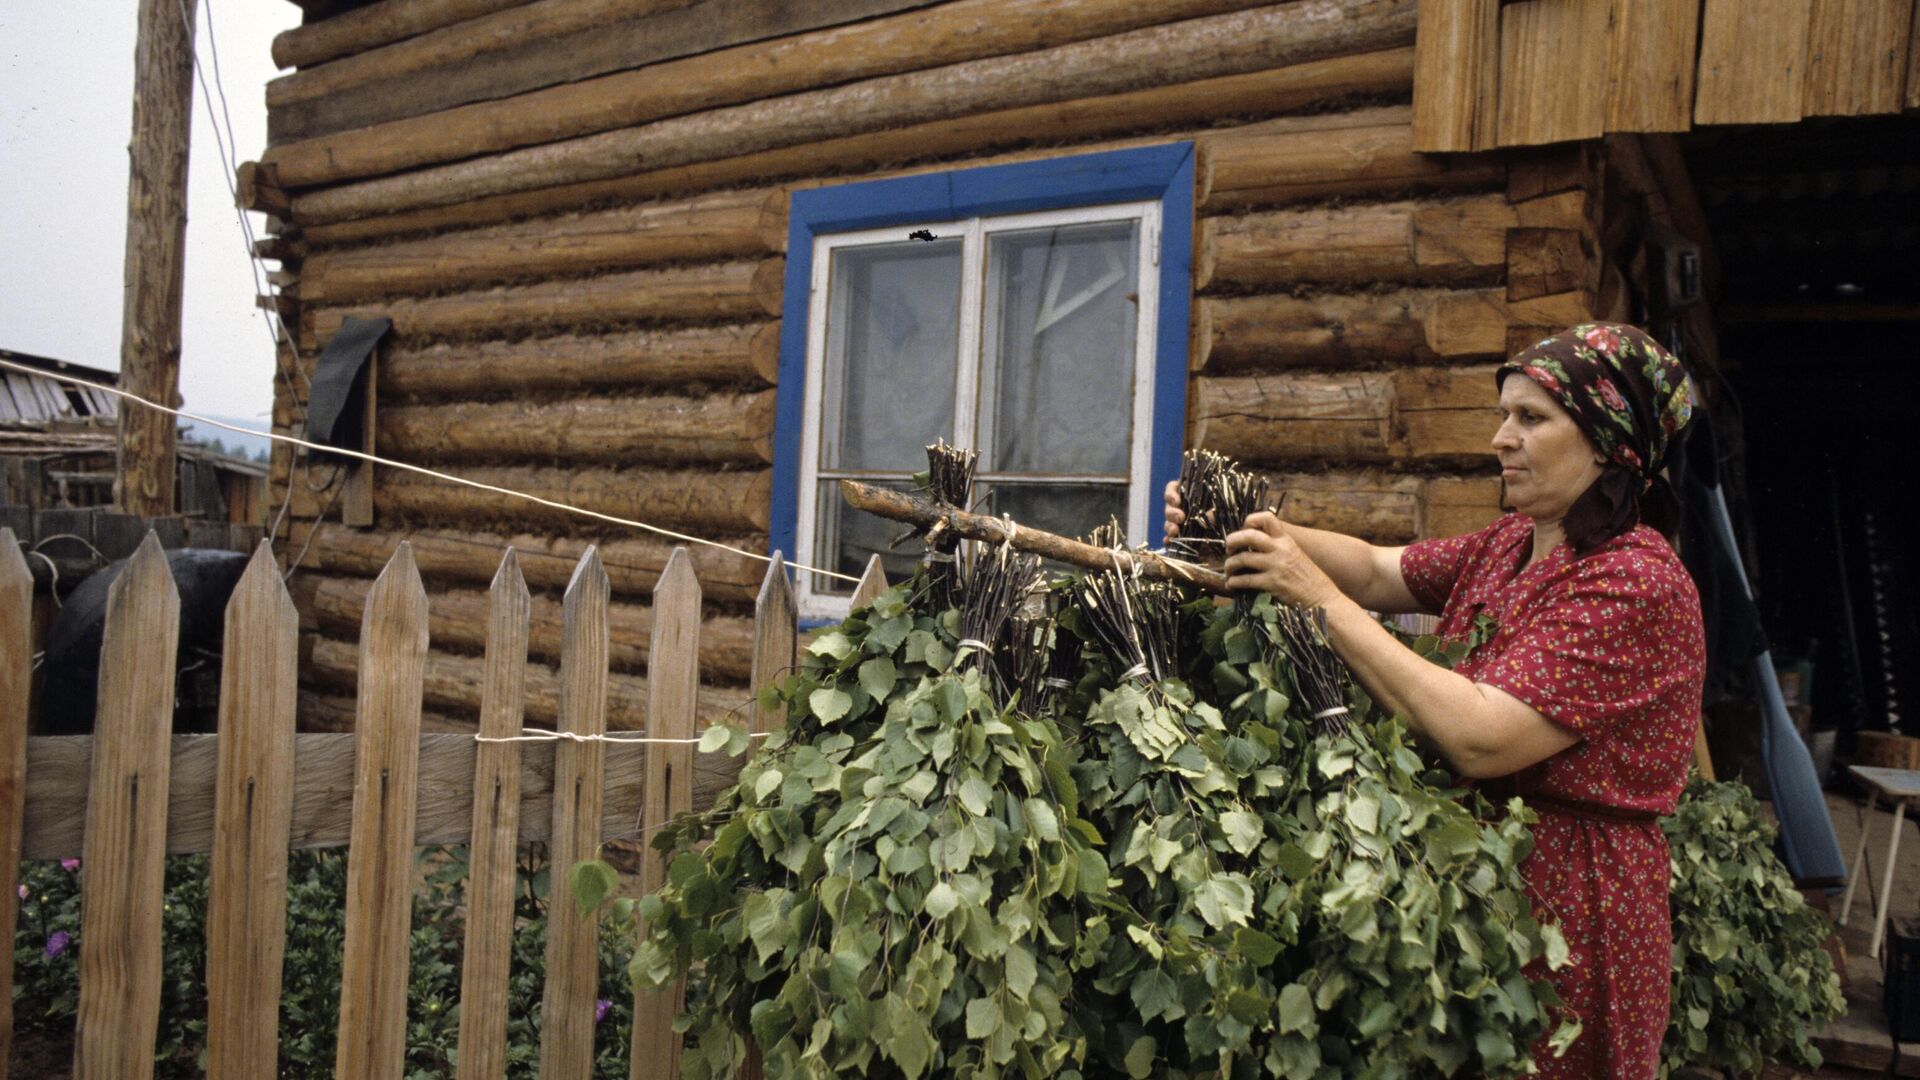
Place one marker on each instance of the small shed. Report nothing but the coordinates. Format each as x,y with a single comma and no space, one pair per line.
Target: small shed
691,261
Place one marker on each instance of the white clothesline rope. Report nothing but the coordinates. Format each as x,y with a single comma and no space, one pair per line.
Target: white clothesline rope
543,735
448,477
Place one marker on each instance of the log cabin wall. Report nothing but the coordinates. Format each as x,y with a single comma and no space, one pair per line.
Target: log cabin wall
574,213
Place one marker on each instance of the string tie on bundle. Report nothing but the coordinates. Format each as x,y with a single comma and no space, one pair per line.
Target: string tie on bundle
1137,671
1337,710
975,644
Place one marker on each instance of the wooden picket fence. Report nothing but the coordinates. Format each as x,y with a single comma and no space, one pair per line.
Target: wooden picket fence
131,793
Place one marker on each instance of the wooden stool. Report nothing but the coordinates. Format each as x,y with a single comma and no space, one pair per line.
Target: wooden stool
1898,786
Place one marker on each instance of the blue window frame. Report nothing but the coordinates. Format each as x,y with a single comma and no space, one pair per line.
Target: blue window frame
1154,184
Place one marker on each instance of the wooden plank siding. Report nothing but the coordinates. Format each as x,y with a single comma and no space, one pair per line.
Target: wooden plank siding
586,286
1576,69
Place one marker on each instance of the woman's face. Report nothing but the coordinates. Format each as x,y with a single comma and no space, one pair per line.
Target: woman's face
1546,461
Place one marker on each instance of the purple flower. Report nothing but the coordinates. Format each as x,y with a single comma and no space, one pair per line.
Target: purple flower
69,865
57,943
23,892
601,1008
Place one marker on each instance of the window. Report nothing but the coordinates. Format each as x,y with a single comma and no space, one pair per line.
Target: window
1037,314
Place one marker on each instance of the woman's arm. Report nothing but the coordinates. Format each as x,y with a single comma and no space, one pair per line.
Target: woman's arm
1368,573
1481,731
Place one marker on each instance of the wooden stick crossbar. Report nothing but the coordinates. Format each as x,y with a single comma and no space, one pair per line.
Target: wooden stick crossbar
916,510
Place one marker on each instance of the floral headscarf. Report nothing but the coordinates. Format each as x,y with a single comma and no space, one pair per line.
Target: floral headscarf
1632,398
1627,393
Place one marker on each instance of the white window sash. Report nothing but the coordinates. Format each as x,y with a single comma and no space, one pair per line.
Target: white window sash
812,601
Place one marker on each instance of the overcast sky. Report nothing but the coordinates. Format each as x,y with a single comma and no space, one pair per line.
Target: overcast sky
66,96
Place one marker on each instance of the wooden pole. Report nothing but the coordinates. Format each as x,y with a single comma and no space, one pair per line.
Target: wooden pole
156,252
914,510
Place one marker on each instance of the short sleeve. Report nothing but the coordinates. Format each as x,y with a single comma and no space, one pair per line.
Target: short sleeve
1609,642
1431,568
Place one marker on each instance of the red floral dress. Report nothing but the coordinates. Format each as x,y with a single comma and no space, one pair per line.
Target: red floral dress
1609,646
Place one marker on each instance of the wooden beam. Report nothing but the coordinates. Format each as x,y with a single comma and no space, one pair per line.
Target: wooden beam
1459,241
880,153
716,429
1368,151
633,561
1245,334
1456,89
523,50
712,292
728,355
372,26
155,270
1753,61
702,501
1181,52
1410,413
991,32
457,618
709,228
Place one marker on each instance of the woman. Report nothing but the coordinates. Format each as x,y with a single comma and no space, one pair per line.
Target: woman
1585,698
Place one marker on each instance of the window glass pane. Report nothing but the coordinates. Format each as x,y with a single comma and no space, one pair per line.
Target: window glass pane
845,538
1064,509
893,326
1058,350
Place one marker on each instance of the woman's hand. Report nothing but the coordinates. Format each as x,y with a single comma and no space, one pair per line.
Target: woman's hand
1262,556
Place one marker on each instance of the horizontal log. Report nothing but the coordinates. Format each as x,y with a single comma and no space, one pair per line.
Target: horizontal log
622,36
993,35
728,225
692,500
1263,333
633,563
458,618
257,187
1458,241
718,429
744,353
452,684
318,711
1455,505
463,41
1387,507
1543,262
1440,414
1484,322
372,26
1375,505
1276,90
1373,155
712,293
1181,52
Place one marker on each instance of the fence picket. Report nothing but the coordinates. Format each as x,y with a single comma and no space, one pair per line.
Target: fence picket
252,817
123,853
373,984
775,641
873,582
673,679
567,1020
487,953
16,676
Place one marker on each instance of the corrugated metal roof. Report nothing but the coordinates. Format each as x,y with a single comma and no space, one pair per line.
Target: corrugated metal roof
33,399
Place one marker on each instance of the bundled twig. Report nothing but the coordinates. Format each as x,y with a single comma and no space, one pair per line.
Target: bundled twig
991,587
949,482
1108,535
1136,619
1217,497
1317,670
